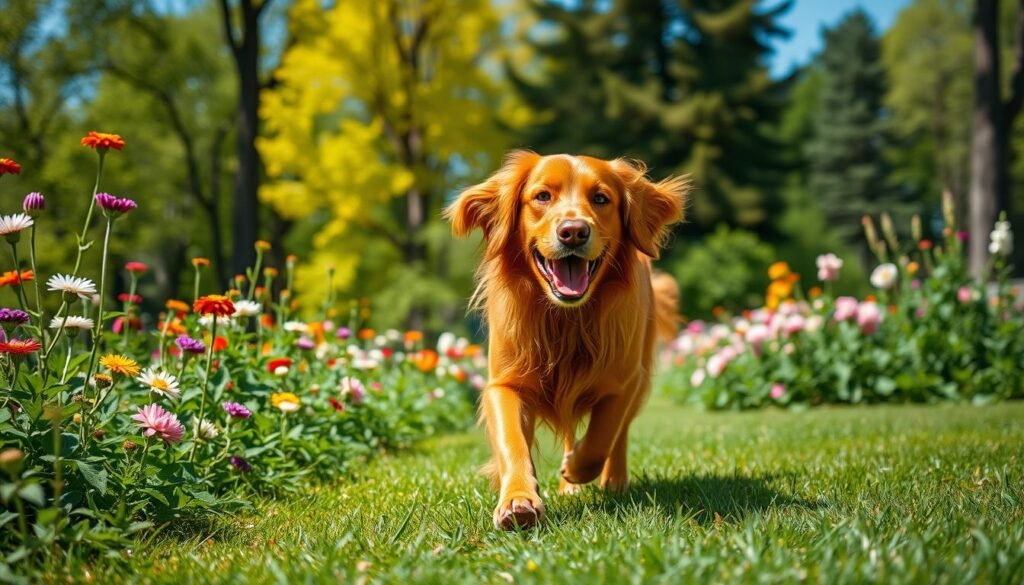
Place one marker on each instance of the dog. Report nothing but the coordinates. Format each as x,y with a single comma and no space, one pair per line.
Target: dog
573,312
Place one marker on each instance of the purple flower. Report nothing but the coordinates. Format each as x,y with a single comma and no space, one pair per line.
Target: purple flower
305,343
240,463
189,345
236,410
33,204
962,235
343,333
113,206
13,316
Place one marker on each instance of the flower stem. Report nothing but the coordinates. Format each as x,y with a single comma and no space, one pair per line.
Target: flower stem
21,283
88,216
35,279
98,331
206,384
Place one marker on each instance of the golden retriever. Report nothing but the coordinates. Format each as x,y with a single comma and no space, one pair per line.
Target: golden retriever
566,285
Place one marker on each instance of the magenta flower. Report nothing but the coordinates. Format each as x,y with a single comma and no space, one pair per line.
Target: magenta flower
189,345
240,463
114,206
13,316
343,333
33,204
305,343
159,423
777,391
236,410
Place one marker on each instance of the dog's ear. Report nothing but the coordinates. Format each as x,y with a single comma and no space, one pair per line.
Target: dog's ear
650,208
493,204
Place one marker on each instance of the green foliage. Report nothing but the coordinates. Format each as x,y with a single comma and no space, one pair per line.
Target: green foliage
679,85
846,154
738,261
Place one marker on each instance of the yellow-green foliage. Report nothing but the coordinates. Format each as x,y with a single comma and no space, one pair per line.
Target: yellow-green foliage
363,76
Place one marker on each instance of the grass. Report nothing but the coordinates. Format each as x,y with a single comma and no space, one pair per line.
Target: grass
897,494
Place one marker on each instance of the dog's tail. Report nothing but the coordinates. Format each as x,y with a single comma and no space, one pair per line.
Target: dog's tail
666,306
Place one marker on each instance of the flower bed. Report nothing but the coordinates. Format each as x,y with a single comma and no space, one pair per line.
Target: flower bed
930,333
107,430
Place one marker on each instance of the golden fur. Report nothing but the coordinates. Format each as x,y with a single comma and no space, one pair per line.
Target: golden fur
559,360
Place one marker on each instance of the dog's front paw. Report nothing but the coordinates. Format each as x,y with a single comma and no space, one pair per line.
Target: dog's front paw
568,489
576,469
518,511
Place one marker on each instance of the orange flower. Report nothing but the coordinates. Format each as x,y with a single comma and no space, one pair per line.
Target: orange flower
103,141
177,306
270,272
367,334
12,277
778,270
262,245
472,350
291,258
780,289
200,262
9,167
912,267
815,292
718,311
218,305
413,336
173,328
426,360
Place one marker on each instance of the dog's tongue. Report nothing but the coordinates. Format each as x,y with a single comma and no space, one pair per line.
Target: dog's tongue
570,276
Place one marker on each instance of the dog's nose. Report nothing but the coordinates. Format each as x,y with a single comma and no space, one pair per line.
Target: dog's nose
573,232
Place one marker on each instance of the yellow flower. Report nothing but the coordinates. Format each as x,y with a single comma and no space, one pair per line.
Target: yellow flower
285,401
778,270
913,267
120,364
262,245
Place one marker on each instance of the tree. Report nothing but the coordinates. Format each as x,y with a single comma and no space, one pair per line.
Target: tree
991,122
244,44
682,85
379,110
927,53
846,156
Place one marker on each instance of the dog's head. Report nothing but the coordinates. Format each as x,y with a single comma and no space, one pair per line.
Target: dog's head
569,217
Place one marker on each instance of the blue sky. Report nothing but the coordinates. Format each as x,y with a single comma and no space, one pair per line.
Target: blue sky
807,17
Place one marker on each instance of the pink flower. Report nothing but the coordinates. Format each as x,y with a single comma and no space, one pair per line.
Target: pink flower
695,327
846,309
777,391
964,295
869,316
159,423
698,377
828,267
352,387
793,324
716,364
756,336
920,312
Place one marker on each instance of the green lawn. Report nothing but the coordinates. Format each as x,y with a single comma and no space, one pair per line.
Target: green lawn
905,494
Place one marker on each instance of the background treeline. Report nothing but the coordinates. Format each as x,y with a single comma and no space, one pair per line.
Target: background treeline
339,130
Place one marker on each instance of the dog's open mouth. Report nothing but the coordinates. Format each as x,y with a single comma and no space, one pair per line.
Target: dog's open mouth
569,277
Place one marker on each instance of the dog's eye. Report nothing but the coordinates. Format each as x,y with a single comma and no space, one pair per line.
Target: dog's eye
601,199
543,197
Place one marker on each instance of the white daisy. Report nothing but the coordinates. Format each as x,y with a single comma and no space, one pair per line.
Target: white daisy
208,430
14,223
247,308
207,321
159,382
72,322
74,285
295,326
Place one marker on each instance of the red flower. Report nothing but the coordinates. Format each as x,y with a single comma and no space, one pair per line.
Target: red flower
125,297
9,167
220,343
12,277
103,141
387,352
336,405
276,363
136,267
218,305
134,324
924,245
20,346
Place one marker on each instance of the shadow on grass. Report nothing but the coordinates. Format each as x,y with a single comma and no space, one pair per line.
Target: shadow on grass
706,499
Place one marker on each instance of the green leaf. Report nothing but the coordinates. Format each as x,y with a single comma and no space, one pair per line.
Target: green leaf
95,476
33,493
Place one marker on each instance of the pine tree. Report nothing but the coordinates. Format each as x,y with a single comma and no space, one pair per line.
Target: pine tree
681,85
846,156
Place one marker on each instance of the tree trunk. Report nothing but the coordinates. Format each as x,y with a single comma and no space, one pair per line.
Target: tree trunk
988,192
